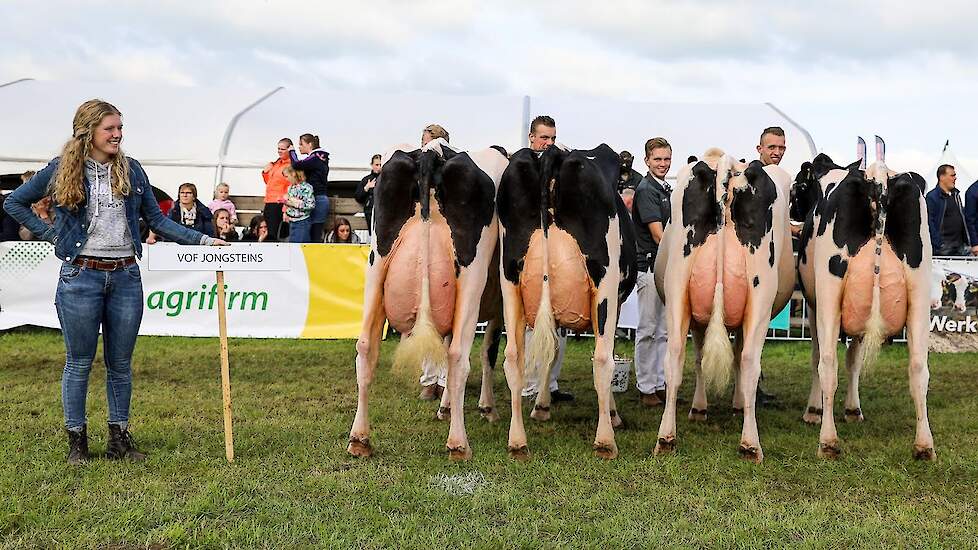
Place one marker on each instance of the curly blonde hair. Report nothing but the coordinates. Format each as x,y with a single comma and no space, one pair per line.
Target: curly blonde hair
68,187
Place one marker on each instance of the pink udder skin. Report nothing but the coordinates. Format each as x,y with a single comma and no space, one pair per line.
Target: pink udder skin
703,279
570,285
857,293
402,286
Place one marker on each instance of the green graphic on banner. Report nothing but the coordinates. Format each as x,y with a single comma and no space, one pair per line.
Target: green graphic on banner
781,320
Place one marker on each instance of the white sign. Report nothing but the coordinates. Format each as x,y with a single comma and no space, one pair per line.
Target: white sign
240,257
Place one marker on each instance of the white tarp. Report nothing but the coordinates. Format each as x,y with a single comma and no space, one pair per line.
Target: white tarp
185,134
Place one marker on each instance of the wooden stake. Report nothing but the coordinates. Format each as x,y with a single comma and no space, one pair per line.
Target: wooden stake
222,320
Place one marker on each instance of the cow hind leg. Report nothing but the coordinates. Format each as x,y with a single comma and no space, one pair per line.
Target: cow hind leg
368,352
749,353
489,352
828,365
604,366
853,411
675,357
813,411
918,326
513,367
698,409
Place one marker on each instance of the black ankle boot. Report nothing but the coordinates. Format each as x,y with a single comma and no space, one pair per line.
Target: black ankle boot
78,446
121,445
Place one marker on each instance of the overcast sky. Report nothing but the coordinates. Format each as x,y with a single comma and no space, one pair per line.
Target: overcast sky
907,71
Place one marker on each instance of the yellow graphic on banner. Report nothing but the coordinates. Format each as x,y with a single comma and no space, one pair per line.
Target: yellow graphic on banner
336,277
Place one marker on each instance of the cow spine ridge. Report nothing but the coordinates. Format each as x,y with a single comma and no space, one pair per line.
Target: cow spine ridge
424,342
875,331
717,358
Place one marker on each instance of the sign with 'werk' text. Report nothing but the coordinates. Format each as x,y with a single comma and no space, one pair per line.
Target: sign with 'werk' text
236,257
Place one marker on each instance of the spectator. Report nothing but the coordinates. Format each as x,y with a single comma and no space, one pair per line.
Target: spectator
948,234
223,228
628,178
299,204
41,209
221,200
342,233
275,186
188,212
99,194
433,131
258,231
971,215
365,191
9,228
316,168
651,213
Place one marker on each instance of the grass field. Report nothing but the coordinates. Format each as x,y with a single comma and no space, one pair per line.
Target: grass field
293,485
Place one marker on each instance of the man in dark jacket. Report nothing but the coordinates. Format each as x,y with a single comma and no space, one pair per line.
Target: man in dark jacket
971,216
945,216
364,193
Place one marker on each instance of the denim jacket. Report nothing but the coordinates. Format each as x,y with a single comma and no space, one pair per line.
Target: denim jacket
70,230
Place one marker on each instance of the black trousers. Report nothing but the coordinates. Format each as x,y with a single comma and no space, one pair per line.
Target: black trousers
273,217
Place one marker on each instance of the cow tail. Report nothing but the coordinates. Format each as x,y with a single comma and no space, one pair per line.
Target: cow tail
424,343
542,349
717,358
875,332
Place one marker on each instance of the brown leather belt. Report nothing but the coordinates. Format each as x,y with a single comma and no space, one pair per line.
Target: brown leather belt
104,264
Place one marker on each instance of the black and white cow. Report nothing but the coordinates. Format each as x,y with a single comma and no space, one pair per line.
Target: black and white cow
568,260
865,267
724,264
435,230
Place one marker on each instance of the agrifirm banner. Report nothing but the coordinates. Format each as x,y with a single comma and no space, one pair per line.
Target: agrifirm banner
314,291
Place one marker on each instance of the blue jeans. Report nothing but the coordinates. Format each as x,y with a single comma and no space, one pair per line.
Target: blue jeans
318,219
87,299
299,230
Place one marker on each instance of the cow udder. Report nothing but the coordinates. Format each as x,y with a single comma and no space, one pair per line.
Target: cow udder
570,285
703,279
402,286
857,293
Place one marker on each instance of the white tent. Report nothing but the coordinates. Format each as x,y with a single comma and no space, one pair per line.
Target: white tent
210,134
948,157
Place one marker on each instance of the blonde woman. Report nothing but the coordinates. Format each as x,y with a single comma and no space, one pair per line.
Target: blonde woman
99,194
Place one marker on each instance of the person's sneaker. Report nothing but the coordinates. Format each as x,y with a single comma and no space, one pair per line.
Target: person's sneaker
429,392
78,446
121,445
558,396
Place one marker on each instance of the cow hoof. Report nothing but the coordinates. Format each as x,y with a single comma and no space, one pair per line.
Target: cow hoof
738,411
540,413
924,453
607,451
458,454
697,415
617,422
489,413
443,413
360,447
751,453
519,454
812,416
829,451
665,446
854,415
